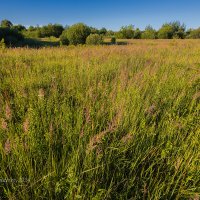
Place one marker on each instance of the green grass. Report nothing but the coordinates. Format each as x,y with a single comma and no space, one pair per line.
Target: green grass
108,122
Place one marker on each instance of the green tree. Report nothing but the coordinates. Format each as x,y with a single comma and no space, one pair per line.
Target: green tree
178,29
94,30
194,33
76,34
94,39
149,33
126,32
11,36
63,39
19,27
51,30
110,33
6,23
172,30
103,31
166,32
137,34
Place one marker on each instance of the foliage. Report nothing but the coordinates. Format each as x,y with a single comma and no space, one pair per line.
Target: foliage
126,32
103,31
19,27
194,34
6,23
113,40
172,30
76,34
51,30
10,36
166,32
94,30
94,39
137,34
149,33
2,44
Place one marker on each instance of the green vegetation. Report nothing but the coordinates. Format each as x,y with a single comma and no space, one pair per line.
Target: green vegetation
94,39
194,34
96,122
149,33
11,36
76,34
113,40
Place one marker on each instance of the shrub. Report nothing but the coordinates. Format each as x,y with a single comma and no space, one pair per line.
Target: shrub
94,39
2,44
194,34
76,34
6,23
51,30
63,39
11,36
166,32
149,33
113,40
172,30
137,34
126,32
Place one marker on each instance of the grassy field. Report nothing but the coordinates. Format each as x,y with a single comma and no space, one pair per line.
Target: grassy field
108,122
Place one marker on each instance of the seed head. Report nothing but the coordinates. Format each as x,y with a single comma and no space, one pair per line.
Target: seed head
41,93
4,124
26,125
7,146
8,112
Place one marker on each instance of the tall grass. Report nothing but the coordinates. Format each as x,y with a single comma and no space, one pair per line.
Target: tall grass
110,122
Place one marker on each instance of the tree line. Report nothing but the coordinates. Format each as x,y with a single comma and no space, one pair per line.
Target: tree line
80,33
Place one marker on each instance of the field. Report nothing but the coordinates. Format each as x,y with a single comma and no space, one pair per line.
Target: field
101,122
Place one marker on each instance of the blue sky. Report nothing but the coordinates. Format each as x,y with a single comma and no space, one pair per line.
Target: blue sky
111,14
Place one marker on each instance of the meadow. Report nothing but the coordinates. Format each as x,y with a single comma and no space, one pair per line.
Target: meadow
101,122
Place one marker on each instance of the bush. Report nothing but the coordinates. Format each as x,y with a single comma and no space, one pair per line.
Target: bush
194,34
94,39
149,33
6,23
51,30
63,39
113,40
126,32
76,34
172,30
137,34
11,36
166,32
2,44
